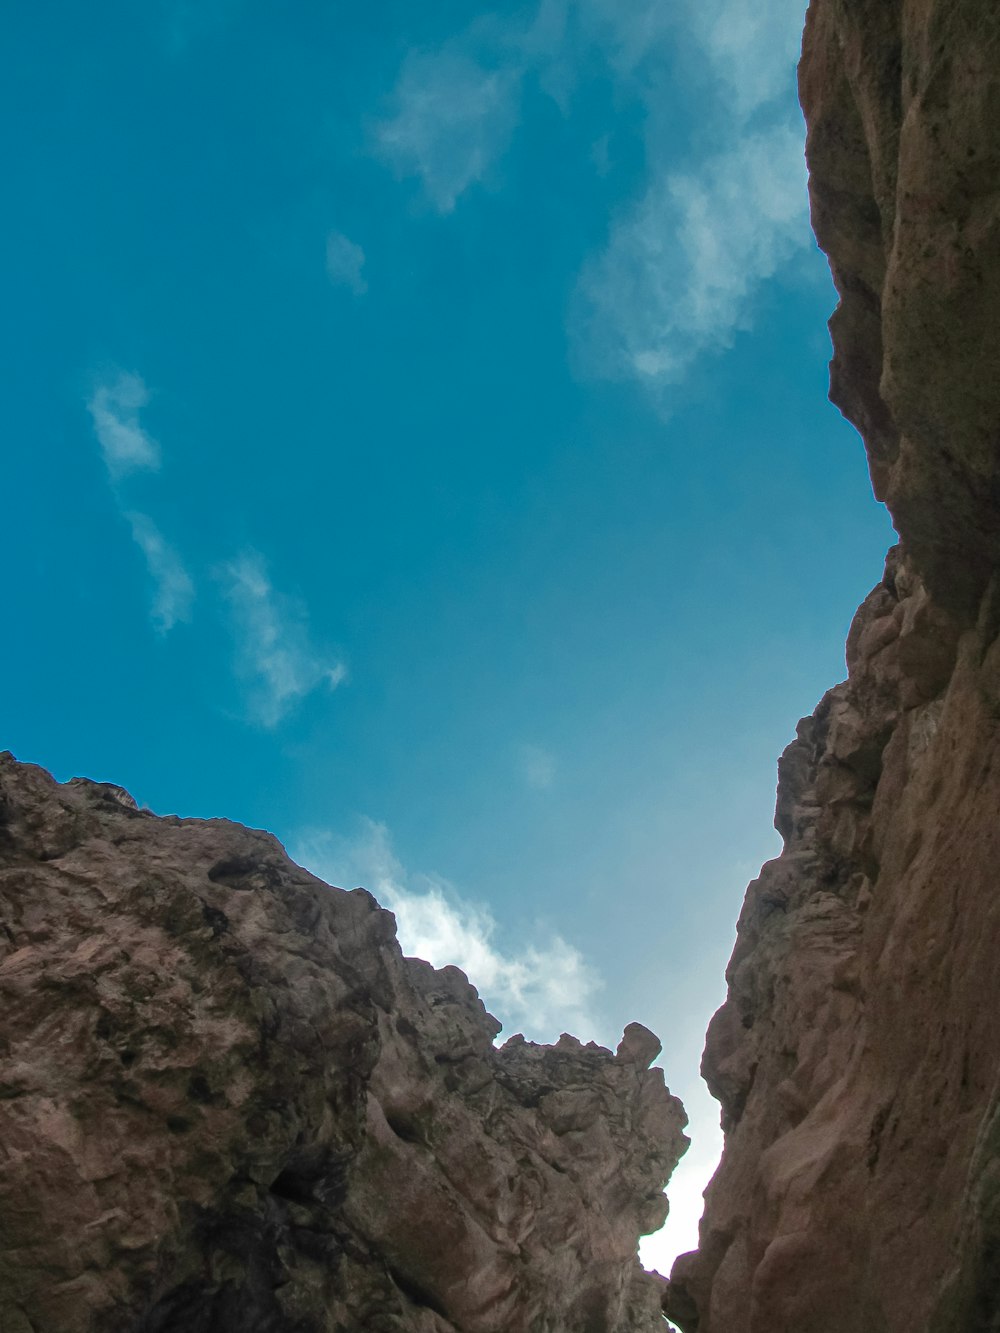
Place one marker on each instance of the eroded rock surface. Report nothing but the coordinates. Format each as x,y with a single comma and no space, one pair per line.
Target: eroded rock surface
857,1057
229,1105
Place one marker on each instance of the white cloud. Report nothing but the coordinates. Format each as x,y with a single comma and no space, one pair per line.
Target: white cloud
453,118
174,589
115,410
626,31
274,654
540,988
126,447
682,268
753,47
538,767
456,108
345,263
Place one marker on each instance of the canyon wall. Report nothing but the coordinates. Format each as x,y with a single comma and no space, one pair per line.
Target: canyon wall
228,1104
857,1056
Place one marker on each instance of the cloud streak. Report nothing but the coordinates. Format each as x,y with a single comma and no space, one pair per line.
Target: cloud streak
127,448
685,261
682,267
275,657
174,590
453,118
753,48
539,988
125,445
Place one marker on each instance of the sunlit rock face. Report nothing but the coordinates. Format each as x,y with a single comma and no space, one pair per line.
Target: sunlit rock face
229,1105
857,1057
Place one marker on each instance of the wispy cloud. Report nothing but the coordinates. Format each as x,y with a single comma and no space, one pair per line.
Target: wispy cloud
174,591
274,654
682,267
452,118
626,32
537,766
345,263
753,47
686,260
125,445
126,448
539,988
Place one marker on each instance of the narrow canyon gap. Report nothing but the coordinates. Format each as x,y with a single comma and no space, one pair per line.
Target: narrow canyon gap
227,1102
856,1057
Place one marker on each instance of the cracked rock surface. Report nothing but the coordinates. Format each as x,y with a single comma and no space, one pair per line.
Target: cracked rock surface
228,1104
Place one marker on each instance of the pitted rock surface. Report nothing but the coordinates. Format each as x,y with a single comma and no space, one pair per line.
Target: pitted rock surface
228,1104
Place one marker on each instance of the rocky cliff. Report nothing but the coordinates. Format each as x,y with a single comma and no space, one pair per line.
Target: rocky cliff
857,1057
229,1105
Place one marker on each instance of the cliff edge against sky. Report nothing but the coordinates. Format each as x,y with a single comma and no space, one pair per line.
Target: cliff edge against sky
856,1057
228,1104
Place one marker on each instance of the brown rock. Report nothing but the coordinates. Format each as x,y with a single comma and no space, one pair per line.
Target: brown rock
639,1046
902,101
228,1103
856,1055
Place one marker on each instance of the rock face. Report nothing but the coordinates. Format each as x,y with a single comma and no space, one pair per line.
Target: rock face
857,1057
229,1105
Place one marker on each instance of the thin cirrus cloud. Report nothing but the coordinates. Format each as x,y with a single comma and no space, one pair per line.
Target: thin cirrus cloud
456,109
114,409
274,655
539,988
127,447
173,589
345,263
683,266
685,261
453,118
624,32
752,47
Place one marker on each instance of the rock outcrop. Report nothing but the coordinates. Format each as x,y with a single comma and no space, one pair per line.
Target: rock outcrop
857,1056
229,1105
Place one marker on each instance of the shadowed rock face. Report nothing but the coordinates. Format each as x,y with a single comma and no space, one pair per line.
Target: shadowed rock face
857,1057
229,1105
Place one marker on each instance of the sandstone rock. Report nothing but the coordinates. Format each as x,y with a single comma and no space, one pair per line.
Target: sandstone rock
902,101
228,1103
639,1046
856,1055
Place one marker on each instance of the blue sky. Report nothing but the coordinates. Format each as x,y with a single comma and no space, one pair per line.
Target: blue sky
417,446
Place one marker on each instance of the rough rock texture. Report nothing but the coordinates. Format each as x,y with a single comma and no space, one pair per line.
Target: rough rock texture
857,1057
229,1105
